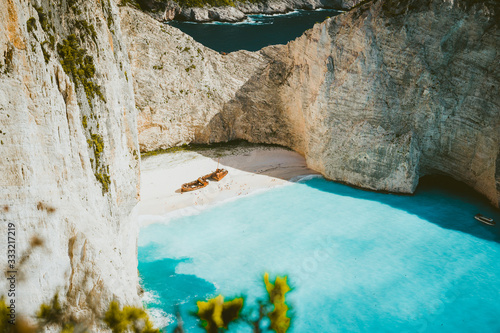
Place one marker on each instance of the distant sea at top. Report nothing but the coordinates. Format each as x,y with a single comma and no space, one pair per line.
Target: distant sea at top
256,32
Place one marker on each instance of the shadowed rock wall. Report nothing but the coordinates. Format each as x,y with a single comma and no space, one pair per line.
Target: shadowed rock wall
382,95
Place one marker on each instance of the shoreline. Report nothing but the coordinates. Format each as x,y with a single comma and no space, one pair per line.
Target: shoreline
252,170
207,11
247,15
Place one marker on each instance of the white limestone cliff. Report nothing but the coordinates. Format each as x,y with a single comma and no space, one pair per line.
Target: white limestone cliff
179,84
50,162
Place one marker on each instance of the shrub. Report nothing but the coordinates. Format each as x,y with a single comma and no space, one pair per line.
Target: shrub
130,318
51,313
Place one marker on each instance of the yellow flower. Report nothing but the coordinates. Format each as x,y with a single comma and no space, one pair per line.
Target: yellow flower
215,313
279,320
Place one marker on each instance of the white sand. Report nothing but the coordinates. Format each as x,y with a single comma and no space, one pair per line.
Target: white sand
250,170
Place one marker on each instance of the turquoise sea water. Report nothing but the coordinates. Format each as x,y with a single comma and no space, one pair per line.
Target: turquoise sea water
256,32
358,261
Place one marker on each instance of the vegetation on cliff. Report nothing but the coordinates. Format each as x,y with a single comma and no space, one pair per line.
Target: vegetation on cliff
79,66
54,316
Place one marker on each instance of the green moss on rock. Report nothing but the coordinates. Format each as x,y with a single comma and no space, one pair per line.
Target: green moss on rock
190,68
46,54
8,56
101,171
44,19
31,24
79,66
88,29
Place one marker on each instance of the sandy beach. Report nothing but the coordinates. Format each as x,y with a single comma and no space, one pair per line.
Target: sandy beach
250,169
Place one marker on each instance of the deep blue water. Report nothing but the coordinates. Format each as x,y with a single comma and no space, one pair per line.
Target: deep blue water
358,261
256,32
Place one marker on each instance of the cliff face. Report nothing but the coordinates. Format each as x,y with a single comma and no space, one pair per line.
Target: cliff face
382,95
69,148
179,84
376,97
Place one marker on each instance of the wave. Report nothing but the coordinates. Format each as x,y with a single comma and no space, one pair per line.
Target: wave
160,318
304,178
248,21
290,13
329,10
257,19
295,12
150,297
145,220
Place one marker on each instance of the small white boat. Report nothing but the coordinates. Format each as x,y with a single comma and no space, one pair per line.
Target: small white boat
484,219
